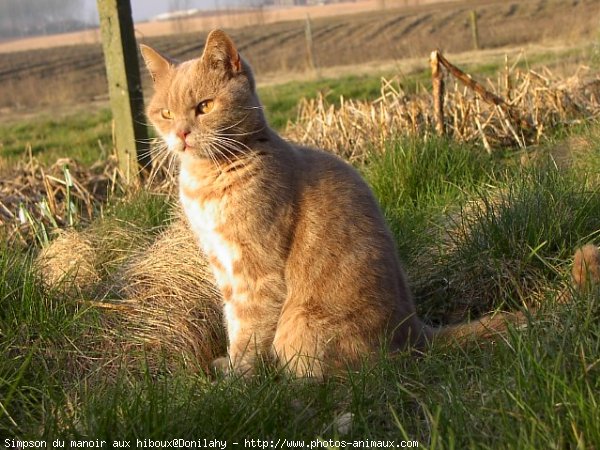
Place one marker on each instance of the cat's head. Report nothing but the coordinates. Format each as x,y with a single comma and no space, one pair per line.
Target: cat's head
205,107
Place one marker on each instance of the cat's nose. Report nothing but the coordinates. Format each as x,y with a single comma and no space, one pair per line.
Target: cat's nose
183,134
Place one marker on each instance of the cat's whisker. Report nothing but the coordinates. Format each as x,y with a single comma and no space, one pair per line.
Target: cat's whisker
160,159
159,154
238,153
235,143
219,148
222,148
167,165
228,137
158,151
215,137
214,158
153,173
242,120
148,164
234,151
245,133
233,148
240,149
252,107
172,167
212,151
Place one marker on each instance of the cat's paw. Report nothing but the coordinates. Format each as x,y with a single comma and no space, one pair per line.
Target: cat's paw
222,366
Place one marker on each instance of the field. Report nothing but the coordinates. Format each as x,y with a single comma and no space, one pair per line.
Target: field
74,75
108,315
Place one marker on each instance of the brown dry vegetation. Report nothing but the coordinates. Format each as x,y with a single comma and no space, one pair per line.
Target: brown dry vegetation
154,294
75,74
55,196
536,103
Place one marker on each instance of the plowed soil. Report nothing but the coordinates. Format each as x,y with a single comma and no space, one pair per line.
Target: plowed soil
75,74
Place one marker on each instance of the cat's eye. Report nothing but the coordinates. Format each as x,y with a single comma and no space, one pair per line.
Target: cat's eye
166,114
205,107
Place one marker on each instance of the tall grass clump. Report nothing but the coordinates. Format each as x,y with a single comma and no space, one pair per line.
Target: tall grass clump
79,258
533,388
45,340
141,267
417,179
512,245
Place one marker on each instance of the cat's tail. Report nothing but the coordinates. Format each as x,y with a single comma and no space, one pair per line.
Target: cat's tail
585,272
586,267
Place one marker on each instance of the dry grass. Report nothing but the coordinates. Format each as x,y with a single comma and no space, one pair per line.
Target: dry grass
69,263
170,297
544,102
157,296
155,293
35,199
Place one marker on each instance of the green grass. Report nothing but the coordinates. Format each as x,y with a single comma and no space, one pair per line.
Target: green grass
281,101
513,232
535,390
84,137
511,245
415,180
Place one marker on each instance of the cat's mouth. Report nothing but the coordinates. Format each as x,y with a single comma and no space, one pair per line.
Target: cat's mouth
183,138
184,147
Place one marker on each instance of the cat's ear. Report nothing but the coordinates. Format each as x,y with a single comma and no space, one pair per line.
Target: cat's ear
157,64
220,51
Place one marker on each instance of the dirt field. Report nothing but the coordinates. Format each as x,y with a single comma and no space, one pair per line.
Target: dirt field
230,19
74,74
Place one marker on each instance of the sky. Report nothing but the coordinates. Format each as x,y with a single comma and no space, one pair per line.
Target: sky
146,9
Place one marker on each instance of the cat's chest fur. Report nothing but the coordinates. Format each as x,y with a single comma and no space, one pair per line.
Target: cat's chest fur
208,215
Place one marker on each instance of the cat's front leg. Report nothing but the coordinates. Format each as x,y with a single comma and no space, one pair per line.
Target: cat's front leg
244,339
251,317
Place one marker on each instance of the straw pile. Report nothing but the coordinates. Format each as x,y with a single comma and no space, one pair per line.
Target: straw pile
157,295
169,299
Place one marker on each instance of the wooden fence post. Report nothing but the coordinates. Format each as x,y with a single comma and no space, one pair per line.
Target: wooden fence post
437,80
474,29
124,86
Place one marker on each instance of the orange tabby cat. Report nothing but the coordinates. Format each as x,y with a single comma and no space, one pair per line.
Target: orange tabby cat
298,245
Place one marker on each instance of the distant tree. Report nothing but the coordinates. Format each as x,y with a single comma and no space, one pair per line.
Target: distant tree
30,17
178,6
